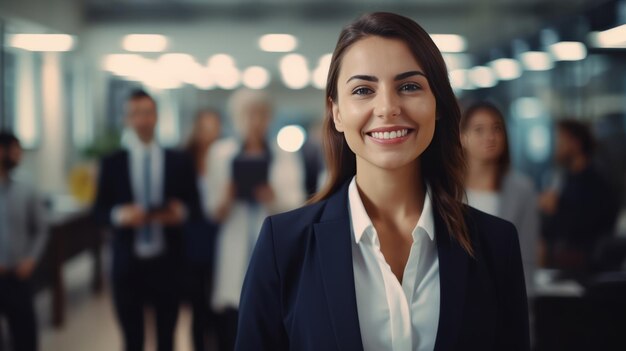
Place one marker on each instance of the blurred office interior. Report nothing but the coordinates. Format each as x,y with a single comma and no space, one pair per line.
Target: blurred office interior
67,67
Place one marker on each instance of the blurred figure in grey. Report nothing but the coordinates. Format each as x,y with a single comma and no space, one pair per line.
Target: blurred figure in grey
582,208
255,179
23,235
200,239
492,186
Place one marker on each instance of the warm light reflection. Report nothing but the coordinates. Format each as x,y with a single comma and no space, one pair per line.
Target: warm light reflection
568,51
291,138
506,68
42,42
294,71
278,42
256,77
449,42
144,42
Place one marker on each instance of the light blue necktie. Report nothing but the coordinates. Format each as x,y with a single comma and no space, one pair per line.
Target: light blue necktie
146,230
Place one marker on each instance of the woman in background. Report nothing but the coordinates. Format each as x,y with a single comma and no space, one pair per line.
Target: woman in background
200,238
255,179
490,184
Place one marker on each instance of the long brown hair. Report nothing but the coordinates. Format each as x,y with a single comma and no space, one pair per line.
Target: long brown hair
443,165
192,146
504,161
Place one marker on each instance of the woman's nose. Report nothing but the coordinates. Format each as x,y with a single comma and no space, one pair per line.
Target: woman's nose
387,104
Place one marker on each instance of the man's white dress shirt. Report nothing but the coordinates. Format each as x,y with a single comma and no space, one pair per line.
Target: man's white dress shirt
138,152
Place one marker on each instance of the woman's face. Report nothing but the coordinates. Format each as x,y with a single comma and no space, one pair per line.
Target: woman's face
208,128
483,138
257,120
384,107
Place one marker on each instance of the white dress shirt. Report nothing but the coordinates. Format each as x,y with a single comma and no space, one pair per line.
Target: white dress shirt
392,315
486,201
137,152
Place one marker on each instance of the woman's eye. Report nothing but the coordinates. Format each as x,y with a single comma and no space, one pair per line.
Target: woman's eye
362,91
410,87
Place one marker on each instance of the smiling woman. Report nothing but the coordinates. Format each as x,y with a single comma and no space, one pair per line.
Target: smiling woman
386,256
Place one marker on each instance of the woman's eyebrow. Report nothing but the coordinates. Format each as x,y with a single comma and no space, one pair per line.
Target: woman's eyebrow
363,77
408,74
400,76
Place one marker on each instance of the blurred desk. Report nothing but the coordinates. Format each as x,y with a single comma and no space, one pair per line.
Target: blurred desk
72,232
575,314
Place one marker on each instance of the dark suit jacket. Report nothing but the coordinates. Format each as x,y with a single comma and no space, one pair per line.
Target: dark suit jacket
299,291
114,188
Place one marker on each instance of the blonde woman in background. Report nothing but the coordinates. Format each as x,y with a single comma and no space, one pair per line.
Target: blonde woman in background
255,179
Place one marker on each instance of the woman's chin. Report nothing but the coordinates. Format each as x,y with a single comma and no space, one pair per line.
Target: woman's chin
391,164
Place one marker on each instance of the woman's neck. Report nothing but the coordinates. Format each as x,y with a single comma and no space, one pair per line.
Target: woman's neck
254,146
391,194
481,175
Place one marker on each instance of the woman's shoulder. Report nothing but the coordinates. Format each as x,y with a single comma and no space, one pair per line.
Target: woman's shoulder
290,232
518,182
490,232
224,148
296,220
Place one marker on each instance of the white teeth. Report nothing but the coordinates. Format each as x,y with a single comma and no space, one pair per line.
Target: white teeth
390,135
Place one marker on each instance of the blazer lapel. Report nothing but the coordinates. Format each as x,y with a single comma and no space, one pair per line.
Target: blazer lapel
453,267
333,234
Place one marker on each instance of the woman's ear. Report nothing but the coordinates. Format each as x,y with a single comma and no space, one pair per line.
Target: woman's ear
336,116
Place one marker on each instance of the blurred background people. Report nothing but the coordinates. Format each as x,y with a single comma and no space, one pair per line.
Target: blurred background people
492,186
581,208
67,68
255,178
207,128
23,234
146,193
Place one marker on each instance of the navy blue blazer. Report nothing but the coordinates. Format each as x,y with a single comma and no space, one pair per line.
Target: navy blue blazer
299,291
114,188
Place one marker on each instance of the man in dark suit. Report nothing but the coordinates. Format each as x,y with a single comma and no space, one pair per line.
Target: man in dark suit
583,209
146,194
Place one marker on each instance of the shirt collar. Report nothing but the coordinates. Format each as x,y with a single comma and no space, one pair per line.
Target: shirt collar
361,221
137,147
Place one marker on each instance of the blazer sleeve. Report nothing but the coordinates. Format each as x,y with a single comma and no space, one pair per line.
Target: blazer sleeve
529,236
513,331
103,205
260,313
190,192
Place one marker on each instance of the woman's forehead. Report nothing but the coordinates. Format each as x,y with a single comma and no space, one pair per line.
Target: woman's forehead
375,55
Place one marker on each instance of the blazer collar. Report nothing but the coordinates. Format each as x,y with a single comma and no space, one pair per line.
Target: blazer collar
333,237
